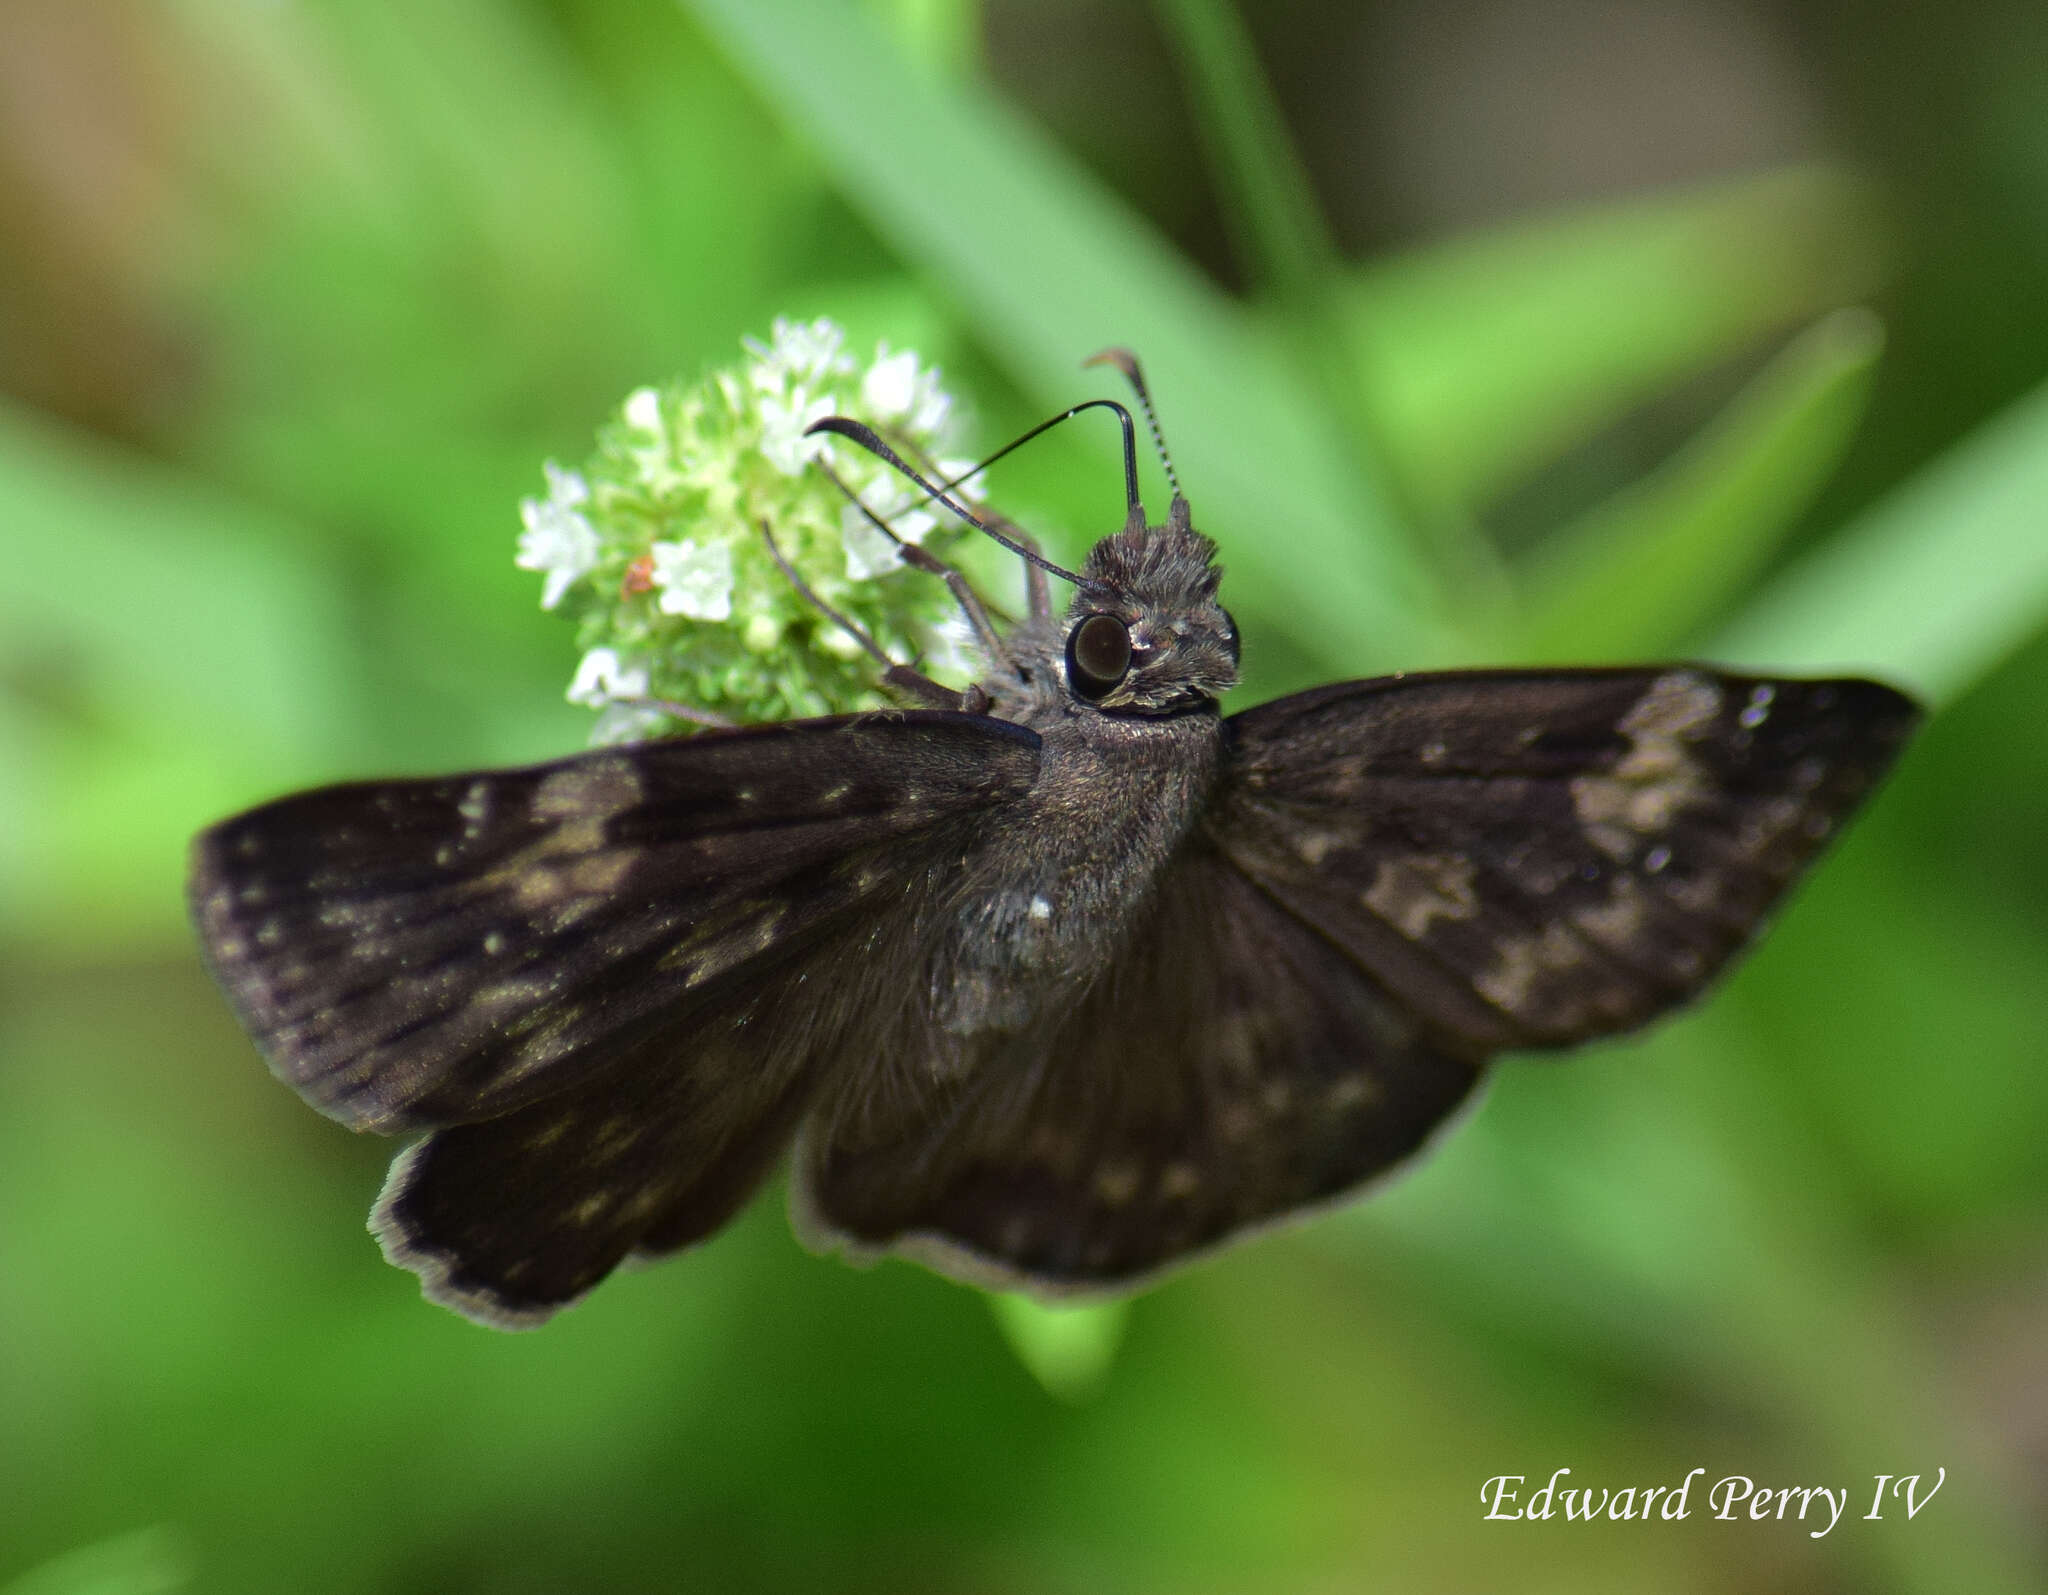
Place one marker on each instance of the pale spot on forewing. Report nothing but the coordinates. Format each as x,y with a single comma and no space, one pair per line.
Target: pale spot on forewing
1346,778
642,1205
569,859
1644,793
1178,1181
542,884
616,1135
591,1208
725,943
1523,962
1619,921
1763,823
1314,846
1410,893
589,789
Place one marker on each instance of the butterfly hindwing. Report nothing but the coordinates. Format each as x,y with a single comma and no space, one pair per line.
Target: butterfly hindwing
512,1218
1536,858
411,954
1229,1068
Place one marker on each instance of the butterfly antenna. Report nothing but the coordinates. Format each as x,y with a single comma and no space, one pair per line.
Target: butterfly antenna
923,559
859,432
1127,363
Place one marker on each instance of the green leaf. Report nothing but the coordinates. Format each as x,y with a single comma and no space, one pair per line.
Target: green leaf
1048,268
1933,586
1644,571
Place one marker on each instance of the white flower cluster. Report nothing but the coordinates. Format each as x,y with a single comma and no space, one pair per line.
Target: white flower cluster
656,546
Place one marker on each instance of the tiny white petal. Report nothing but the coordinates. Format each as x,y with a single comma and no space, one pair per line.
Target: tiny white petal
889,390
565,488
934,404
800,353
603,677
557,539
810,350
783,442
643,410
694,580
868,552
954,651
626,722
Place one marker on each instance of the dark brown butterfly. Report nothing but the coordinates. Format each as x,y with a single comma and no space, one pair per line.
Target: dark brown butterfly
1058,984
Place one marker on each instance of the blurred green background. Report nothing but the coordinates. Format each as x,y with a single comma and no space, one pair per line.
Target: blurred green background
1483,330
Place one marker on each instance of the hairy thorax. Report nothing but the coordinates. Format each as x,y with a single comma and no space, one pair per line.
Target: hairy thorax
1043,906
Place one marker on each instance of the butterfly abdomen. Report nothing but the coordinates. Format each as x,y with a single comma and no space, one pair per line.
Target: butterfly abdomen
1045,904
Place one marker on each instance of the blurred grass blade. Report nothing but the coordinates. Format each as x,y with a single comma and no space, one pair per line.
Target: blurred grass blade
1048,268
1502,350
164,599
1932,587
1069,1349
1285,244
1648,569
166,657
151,1561
941,35
1271,205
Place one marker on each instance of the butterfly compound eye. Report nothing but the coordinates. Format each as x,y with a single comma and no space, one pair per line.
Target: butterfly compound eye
1098,655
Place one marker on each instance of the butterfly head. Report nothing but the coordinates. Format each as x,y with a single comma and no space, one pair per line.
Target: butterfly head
1145,634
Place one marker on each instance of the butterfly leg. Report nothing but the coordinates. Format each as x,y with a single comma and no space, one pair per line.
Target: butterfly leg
1037,589
985,633
914,684
684,711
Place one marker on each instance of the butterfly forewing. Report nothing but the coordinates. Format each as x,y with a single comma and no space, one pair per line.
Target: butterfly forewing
1535,858
422,953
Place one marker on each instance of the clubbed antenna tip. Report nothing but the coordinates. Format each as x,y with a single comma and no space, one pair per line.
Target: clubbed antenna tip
1127,363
